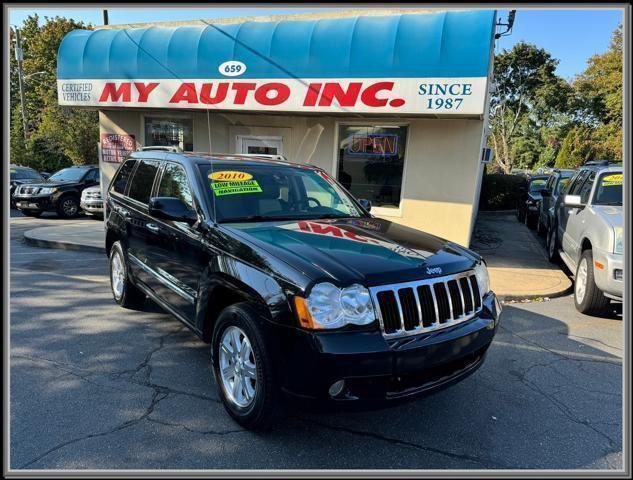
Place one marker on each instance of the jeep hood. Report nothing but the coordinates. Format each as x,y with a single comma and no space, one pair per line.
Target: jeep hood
369,251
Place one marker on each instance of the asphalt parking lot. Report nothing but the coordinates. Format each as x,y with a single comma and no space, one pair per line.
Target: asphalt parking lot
94,386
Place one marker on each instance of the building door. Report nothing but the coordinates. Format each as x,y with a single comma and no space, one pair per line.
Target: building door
259,145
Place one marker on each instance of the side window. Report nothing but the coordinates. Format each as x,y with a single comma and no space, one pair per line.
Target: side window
174,184
93,175
586,188
141,187
120,180
577,185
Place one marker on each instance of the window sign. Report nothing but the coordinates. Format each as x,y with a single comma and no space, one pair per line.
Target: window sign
115,147
169,132
371,162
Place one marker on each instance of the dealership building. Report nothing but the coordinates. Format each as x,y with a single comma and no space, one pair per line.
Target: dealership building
393,104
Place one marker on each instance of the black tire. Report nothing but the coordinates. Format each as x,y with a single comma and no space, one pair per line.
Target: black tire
264,407
68,206
529,221
540,228
593,300
520,215
552,244
32,213
130,296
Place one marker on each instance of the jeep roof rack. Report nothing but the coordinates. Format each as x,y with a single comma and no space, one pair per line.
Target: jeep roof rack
162,148
601,163
262,155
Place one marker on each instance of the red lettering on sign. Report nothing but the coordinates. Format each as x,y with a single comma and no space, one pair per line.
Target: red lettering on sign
220,93
111,91
185,93
241,92
345,98
144,90
369,94
312,95
282,93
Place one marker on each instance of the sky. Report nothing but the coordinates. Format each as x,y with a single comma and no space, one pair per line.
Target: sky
570,35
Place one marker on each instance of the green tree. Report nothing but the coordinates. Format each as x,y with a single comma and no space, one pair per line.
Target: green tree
56,135
528,97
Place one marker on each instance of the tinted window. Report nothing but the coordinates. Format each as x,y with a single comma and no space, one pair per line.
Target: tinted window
586,188
25,174
537,184
141,186
609,190
574,189
174,184
120,180
93,175
72,174
561,184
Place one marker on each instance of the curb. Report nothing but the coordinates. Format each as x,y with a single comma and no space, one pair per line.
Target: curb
42,243
518,298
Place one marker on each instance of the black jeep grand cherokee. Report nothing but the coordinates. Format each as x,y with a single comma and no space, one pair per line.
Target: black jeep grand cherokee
299,290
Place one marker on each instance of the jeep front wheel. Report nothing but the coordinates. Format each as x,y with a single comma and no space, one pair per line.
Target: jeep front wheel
588,298
243,367
124,292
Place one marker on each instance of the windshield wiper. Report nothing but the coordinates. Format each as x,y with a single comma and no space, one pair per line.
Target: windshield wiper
254,218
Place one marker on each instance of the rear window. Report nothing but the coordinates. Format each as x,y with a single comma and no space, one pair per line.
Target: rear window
537,184
609,191
141,186
120,181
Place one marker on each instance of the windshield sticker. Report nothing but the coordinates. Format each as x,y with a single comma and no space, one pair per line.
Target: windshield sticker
230,176
612,180
235,187
13,170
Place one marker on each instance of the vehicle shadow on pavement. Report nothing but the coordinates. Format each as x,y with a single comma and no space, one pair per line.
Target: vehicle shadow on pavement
96,386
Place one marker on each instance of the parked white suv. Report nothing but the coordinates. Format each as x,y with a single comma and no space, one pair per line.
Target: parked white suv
92,202
587,233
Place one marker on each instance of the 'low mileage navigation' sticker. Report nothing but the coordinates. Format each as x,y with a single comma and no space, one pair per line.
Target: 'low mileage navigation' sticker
233,183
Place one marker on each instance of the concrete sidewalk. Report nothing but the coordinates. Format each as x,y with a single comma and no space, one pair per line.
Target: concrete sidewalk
516,259
86,236
517,262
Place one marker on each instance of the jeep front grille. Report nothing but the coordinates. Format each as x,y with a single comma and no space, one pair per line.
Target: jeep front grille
426,305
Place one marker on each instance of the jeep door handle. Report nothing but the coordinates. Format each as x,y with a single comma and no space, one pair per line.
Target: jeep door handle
152,228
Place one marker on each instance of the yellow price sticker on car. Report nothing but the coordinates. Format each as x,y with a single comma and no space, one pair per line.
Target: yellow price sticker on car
13,170
235,187
230,176
612,180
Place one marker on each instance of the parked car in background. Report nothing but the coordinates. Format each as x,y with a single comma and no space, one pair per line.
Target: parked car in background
92,202
20,176
587,234
297,288
61,193
529,200
557,180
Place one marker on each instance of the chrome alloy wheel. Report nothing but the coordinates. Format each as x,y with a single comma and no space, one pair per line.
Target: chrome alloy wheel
237,367
117,274
69,206
581,280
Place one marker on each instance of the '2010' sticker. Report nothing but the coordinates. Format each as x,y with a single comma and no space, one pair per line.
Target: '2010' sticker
229,182
612,180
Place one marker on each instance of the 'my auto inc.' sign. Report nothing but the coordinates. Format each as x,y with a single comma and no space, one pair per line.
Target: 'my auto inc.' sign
411,96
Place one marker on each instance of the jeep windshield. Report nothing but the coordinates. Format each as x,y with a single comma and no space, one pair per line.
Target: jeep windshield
71,174
609,189
255,193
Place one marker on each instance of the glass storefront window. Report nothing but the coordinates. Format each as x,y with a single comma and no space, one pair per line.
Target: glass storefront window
175,132
371,162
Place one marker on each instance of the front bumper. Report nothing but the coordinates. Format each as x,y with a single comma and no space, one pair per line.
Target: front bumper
376,369
92,206
605,277
35,202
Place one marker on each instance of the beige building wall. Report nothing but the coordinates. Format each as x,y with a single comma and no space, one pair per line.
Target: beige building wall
442,162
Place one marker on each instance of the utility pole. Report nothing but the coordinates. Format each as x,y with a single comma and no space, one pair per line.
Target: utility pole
19,56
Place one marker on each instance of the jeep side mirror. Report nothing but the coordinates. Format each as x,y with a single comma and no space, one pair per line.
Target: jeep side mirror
573,201
366,204
171,208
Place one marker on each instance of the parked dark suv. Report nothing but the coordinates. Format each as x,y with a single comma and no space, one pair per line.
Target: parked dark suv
61,193
298,289
20,176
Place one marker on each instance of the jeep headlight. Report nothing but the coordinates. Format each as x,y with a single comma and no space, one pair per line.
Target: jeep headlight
618,241
328,307
48,190
481,272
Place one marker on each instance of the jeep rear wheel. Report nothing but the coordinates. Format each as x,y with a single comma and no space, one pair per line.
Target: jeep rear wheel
124,292
243,367
588,298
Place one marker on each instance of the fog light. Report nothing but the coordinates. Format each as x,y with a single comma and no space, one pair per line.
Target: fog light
337,388
618,274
